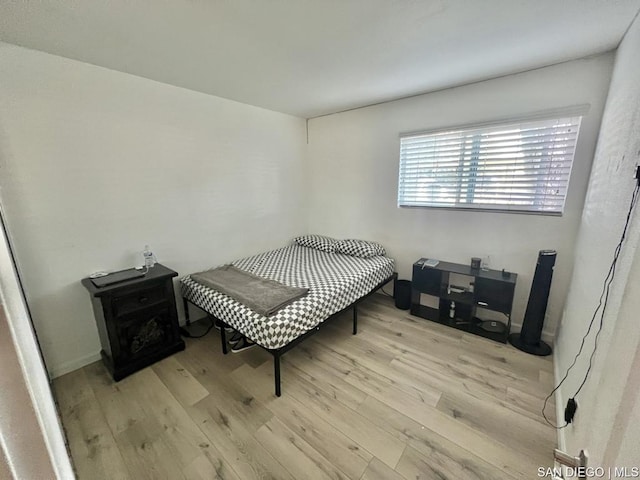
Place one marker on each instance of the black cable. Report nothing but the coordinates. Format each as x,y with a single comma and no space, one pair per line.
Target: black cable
602,303
613,272
387,294
185,333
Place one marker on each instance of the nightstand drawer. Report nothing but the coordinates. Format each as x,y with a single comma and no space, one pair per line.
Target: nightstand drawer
143,298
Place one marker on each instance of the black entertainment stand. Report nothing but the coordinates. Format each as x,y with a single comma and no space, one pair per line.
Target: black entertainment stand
490,290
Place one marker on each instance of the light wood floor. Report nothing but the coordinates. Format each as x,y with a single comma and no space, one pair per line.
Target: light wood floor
404,399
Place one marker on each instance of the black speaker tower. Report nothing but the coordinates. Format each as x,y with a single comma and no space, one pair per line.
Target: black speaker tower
528,340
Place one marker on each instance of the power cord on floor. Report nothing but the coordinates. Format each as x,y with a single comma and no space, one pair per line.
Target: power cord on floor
387,294
602,307
185,333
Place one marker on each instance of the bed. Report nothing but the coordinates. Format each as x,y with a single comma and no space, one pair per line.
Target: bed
337,279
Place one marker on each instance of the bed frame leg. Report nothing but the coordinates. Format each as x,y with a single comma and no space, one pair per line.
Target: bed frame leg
223,337
355,319
186,311
276,371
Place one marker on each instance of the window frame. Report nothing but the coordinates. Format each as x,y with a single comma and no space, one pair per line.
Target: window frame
579,111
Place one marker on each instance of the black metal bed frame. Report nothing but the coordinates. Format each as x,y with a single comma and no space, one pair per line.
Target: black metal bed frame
278,352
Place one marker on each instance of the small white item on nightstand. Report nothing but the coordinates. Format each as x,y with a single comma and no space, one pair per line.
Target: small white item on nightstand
431,262
98,274
149,258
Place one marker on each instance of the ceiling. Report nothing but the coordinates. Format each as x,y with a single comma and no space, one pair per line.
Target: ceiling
315,57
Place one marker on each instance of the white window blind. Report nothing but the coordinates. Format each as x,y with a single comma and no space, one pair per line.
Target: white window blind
517,167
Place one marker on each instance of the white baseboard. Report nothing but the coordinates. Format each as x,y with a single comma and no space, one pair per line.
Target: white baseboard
562,443
59,370
546,336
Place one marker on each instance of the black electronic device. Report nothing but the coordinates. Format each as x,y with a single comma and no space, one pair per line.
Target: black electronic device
493,326
402,294
117,277
529,338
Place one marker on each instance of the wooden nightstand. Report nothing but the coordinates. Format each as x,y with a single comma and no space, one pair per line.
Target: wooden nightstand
137,320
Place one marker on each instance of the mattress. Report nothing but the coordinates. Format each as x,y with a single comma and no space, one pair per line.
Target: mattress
334,281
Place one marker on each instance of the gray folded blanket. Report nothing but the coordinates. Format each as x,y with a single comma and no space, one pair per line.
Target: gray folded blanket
261,295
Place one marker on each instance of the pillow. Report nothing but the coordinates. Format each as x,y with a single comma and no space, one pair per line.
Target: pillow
319,242
359,248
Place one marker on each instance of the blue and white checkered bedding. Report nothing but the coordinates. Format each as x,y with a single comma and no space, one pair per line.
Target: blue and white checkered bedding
334,281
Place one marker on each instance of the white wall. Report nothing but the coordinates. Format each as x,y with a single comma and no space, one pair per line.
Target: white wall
353,162
609,402
95,164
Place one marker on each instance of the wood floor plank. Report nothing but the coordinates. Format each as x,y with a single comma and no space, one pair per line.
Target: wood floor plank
176,435
451,439
454,378
344,453
225,392
119,405
93,448
442,342
546,378
238,446
509,374
203,469
475,378
445,452
147,453
410,329
331,384
447,376
398,339
72,388
358,428
447,359
530,403
471,374
357,345
445,456
348,456
297,456
210,346
506,355
377,470
179,439
186,389
416,466
385,385
515,431
428,400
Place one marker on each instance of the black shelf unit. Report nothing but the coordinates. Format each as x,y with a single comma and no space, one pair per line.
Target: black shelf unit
492,290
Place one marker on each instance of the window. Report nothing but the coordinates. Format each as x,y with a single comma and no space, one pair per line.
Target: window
516,167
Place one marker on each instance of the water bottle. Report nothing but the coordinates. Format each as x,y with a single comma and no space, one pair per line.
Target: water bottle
149,259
